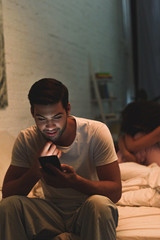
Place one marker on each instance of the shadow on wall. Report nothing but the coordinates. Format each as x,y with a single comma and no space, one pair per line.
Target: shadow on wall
3,85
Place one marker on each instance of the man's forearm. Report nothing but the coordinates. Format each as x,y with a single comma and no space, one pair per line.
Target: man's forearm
20,186
109,189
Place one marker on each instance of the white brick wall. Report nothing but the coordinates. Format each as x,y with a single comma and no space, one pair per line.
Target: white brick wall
55,38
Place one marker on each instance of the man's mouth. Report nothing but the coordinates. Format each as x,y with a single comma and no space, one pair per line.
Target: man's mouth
51,132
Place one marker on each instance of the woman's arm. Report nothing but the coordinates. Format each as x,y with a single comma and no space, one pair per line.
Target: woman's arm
135,145
129,157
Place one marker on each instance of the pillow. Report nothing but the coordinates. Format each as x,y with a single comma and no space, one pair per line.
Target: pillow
6,145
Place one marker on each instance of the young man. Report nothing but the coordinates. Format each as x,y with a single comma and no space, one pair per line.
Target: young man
80,198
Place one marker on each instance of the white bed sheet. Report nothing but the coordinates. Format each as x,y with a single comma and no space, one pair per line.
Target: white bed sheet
138,223
139,206
140,185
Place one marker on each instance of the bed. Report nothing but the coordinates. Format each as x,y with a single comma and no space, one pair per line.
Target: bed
139,206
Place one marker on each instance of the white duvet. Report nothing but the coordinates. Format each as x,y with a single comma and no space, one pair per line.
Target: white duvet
140,185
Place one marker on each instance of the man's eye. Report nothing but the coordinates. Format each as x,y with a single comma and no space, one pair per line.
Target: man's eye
57,117
40,119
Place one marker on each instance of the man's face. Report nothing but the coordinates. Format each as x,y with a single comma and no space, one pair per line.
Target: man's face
51,120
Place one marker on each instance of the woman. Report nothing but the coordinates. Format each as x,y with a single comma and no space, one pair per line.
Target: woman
140,133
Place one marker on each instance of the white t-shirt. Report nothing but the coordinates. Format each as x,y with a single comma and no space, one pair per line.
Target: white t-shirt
93,146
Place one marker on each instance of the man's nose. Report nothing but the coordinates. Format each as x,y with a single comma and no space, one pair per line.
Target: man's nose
50,123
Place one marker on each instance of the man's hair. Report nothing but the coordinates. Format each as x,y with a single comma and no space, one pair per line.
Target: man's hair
48,91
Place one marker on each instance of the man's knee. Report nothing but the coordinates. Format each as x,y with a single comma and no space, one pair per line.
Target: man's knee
98,202
101,206
9,204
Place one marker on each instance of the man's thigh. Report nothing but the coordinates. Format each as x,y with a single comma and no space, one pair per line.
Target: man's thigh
35,217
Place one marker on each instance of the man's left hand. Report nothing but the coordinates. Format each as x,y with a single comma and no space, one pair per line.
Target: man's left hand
60,179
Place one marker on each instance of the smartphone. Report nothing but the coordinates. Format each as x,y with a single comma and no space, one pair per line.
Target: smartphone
52,160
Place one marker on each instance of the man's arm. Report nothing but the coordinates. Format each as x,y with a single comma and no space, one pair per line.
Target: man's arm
109,184
135,145
19,181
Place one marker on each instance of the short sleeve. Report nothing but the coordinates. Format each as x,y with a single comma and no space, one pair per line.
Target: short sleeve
19,152
103,146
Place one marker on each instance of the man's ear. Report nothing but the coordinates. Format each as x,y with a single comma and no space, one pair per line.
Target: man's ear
68,109
32,111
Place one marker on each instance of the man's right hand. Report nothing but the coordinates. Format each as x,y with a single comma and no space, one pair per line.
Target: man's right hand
50,149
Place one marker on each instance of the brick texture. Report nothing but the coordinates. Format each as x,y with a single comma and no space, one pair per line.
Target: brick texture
56,38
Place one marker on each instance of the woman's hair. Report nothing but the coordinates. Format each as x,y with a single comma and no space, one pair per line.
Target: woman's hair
140,117
48,91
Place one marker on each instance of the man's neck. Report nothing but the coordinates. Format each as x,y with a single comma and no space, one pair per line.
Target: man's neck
69,134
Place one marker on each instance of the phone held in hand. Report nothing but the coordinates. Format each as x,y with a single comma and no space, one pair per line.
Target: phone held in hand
53,159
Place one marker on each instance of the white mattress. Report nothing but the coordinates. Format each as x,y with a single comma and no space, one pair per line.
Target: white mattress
138,223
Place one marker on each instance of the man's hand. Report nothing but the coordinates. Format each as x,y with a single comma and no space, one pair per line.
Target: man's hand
50,149
60,179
